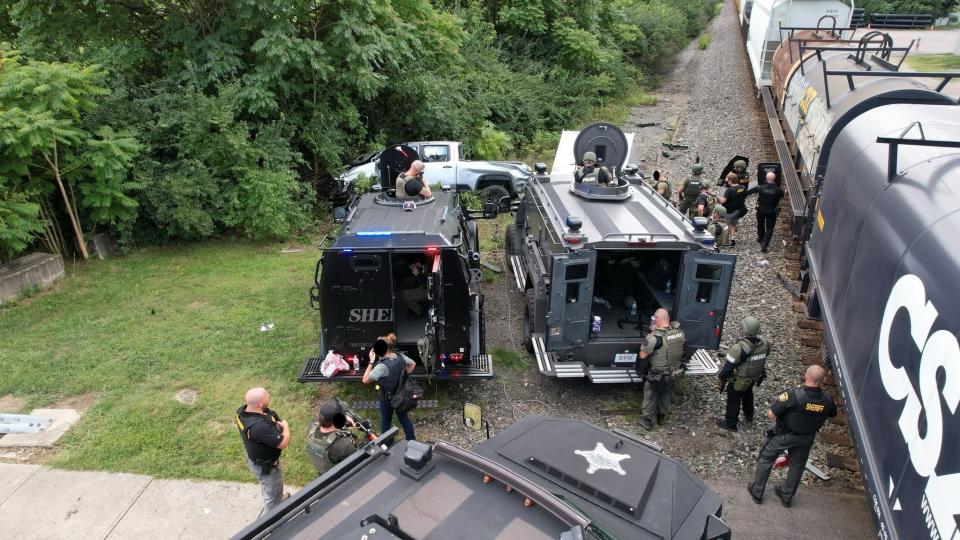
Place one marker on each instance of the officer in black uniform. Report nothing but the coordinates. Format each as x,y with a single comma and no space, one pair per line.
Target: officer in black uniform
746,364
768,206
799,413
264,436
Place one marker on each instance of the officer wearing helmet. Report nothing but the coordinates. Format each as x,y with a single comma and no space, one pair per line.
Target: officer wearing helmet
718,226
328,440
740,167
590,172
690,189
746,366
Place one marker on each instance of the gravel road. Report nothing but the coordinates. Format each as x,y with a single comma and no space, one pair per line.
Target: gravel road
711,100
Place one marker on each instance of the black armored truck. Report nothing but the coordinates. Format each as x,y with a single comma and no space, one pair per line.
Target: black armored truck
594,261
542,478
410,267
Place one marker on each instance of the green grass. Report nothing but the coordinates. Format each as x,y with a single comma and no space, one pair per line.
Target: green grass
135,330
934,62
704,41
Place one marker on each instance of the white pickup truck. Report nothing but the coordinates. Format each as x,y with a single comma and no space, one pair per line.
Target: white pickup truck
444,164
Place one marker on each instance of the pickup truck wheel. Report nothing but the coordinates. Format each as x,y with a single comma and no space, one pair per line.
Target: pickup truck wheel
495,194
528,313
508,237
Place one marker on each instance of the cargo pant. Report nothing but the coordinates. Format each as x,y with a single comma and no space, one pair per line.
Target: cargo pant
656,397
686,203
766,221
271,485
735,399
797,448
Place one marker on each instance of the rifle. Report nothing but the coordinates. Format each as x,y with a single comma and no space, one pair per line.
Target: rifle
358,422
722,384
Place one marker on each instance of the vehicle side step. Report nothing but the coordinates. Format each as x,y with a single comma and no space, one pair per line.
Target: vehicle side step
613,375
375,405
543,357
519,274
702,363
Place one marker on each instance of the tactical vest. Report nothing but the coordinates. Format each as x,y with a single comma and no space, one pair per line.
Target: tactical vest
390,381
596,175
402,186
744,177
751,369
692,188
719,231
670,356
663,188
810,411
768,196
711,204
319,445
246,422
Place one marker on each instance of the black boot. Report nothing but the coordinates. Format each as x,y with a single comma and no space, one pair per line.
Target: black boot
722,423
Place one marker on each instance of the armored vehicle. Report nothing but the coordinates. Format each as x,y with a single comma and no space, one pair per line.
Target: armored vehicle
595,261
407,267
541,478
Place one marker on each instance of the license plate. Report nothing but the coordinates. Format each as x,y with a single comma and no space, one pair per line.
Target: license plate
625,358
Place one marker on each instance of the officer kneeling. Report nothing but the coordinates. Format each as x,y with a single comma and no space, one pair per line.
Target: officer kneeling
659,361
328,440
747,364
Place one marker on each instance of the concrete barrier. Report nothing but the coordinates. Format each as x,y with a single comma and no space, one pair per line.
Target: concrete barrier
36,269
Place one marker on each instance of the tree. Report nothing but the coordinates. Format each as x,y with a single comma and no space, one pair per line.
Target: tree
41,109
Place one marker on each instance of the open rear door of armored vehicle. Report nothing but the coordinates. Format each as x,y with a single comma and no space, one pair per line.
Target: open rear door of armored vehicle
706,278
570,298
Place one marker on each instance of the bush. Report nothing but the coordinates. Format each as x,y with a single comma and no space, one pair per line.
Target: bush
704,41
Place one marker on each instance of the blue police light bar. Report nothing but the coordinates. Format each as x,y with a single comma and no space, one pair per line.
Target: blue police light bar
374,233
708,241
347,250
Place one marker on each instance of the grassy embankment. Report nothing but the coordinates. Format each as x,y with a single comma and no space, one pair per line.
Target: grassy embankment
934,62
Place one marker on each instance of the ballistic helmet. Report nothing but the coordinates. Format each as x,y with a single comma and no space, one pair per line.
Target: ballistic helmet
751,326
590,156
720,210
697,168
739,164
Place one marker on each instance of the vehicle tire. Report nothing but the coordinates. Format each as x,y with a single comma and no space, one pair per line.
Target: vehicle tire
528,313
508,241
495,194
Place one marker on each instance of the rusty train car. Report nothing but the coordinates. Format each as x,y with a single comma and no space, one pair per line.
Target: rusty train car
871,159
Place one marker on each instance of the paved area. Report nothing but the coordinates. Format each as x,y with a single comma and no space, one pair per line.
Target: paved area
927,41
42,503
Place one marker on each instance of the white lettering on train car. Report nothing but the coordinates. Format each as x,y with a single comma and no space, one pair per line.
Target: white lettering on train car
939,350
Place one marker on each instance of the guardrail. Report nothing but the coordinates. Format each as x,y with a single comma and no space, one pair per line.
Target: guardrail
908,21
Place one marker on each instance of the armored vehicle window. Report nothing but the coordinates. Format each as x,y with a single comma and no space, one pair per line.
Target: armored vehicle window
707,278
436,152
576,271
364,262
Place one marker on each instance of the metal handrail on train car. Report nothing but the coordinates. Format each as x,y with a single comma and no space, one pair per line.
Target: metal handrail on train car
819,49
947,77
895,143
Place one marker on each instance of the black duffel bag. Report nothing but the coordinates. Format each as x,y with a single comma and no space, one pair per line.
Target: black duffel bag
407,396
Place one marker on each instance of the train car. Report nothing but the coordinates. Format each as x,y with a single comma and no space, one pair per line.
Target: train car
874,156
768,20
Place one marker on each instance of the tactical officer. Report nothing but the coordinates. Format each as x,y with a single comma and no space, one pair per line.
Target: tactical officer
690,189
718,226
661,185
264,436
410,184
589,172
799,413
740,168
659,361
746,363
734,199
706,201
328,440
386,368
768,206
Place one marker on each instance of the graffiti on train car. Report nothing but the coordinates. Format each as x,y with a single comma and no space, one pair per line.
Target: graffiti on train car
939,350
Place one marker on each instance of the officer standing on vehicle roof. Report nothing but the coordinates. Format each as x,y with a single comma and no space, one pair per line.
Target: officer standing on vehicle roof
690,189
589,172
799,413
746,363
264,436
659,361
328,440
768,206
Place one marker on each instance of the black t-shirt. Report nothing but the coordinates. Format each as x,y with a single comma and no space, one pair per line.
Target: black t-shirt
804,410
261,435
768,196
735,197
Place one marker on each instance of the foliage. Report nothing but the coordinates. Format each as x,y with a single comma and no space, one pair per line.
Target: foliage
934,62
232,116
18,221
471,200
937,8
704,41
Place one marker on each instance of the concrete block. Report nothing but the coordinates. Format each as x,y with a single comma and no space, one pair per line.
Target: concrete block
11,476
54,504
183,509
63,420
36,269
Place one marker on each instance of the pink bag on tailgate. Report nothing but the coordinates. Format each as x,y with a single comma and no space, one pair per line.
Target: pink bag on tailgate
333,364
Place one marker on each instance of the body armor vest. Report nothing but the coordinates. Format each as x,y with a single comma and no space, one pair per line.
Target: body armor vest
390,381
768,196
754,364
693,188
670,356
812,409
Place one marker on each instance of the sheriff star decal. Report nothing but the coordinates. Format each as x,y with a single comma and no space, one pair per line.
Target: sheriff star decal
601,458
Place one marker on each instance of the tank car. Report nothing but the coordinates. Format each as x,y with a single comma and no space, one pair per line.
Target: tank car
877,158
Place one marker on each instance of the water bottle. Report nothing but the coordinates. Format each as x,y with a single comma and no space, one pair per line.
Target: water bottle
595,328
669,287
356,362
633,309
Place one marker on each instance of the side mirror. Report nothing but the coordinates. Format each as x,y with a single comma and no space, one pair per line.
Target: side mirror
473,418
339,214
